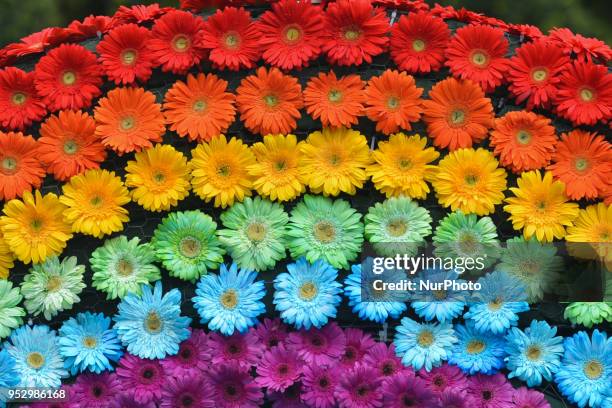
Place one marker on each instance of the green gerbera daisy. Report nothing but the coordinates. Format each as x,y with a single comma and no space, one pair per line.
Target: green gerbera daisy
186,244
53,286
397,226
255,233
588,313
466,236
121,266
10,313
535,264
320,228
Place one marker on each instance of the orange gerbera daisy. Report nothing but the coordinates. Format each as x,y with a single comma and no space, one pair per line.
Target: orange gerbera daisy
200,108
523,140
128,120
393,101
457,114
583,161
269,101
69,144
20,169
336,102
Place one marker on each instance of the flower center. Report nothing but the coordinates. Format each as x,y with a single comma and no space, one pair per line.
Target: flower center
127,123
439,294
457,117
487,395
587,94
539,74
232,40
593,369
153,323
9,165
425,338
471,179
405,164
293,34
397,227
496,303
393,102
362,390
523,137
308,291
467,243
388,368
231,390
334,95
256,232
480,58
581,164
180,43
190,247
90,342
407,401
199,106
54,283
418,45
186,353
128,57
18,98
36,224
70,147
35,360
475,347
96,201
187,401
283,369
229,299
324,231
533,353
124,267
529,267
323,382
224,170
69,78
280,165
271,100
351,33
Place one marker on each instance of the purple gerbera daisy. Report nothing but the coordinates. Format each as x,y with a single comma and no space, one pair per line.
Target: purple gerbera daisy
94,390
443,377
357,344
319,385
232,387
143,377
318,346
526,398
127,400
452,398
279,368
242,349
270,333
491,391
385,361
193,356
290,398
186,392
359,388
406,391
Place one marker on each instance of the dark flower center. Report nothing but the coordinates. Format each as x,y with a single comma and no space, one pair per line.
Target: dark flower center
148,373
408,401
187,401
233,349
388,368
439,381
487,395
324,382
362,390
283,369
186,353
97,391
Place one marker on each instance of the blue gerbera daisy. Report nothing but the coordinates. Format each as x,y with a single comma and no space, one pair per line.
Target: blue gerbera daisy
379,304
477,352
585,374
442,305
231,300
151,325
37,358
88,343
307,294
423,344
499,300
533,354
9,376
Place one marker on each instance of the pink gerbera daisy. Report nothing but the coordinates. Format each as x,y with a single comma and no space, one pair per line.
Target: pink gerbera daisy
270,333
318,346
406,391
128,400
193,357
94,390
357,345
320,384
143,377
383,358
491,391
234,388
452,398
526,398
290,398
445,377
360,388
186,392
279,368
242,349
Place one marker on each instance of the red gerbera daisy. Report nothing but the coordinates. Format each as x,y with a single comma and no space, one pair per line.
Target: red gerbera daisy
585,49
20,169
124,54
139,14
37,42
232,37
19,103
90,27
413,6
418,42
68,77
477,52
534,73
289,33
585,93
451,13
354,32
176,44
528,31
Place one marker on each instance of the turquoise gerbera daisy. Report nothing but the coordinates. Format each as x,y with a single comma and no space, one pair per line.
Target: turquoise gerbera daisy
477,352
9,376
11,314
441,305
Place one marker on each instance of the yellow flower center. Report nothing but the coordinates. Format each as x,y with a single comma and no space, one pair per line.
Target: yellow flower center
69,78
280,165
231,40
397,227
480,58
533,353
271,100
127,123
159,177
35,360
539,74
587,94
425,338
256,232
439,294
190,247
292,34
523,137
36,224
334,95
496,304
581,164
96,201
224,170
324,232
70,147
124,267
229,299
128,57
335,159
308,291
405,164
457,117
90,342
18,98
9,165
153,323
199,106
471,179
418,45
593,369
54,283
351,33
393,102
475,347
180,43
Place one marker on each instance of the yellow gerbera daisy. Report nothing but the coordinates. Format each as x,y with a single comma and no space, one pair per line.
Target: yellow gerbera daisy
334,161
402,166
6,258
94,200
540,207
470,180
160,177
276,173
34,227
591,235
220,171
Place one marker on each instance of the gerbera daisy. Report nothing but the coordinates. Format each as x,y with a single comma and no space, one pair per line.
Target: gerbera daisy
20,105
290,398
144,378
277,174
523,140
269,101
241,349
440,305
37,42
127,400
289,34
139,13
34,228
384,360
121,266
584,49
53,286
359,388
478,53
232,38
9,377
334,161
90,27
321,347
128,119
588,313
583,161
357,345
186,392
491,391
319,384
477,352
354,32
457,114
585,94
94,390
307,295
94,201
393,101
524,397
186,245
270,333
11,314
320,228
459,399
200,108
402,166
6,258
254,233
219,170
231,387
159,177
20,168
445,377
193,357
540,207
336,102
124,54
418,41
176,42
279,369
469,180
68,144
404,390
68,77
592,233
534,73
